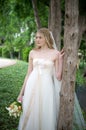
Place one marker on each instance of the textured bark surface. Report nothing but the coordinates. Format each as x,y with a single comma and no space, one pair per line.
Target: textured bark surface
54,23
69,67
37,19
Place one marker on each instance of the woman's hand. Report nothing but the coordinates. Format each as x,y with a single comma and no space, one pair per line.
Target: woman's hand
61,54
59,76
20,98
60,65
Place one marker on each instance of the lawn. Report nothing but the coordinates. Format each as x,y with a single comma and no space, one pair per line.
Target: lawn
11,80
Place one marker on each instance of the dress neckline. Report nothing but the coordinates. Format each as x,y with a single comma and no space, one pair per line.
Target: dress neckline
43,59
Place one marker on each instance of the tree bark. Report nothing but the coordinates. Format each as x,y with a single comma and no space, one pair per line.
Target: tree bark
54,22
11,54
69,65
37,19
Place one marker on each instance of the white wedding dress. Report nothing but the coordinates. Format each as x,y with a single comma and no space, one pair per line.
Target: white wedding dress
41,98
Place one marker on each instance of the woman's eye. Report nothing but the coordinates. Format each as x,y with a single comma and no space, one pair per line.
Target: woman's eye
40,37
36,37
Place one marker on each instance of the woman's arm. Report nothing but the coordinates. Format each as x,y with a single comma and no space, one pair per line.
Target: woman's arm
59,65
30,68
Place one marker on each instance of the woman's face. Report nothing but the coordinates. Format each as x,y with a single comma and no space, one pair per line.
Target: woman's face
40,40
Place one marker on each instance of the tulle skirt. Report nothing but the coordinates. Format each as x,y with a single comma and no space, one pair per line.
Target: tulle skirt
40,103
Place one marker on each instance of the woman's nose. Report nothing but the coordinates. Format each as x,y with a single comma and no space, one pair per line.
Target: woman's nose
37,39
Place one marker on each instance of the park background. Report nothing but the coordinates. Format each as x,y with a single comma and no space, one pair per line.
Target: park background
18,24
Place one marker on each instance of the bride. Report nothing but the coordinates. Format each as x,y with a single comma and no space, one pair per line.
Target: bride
42,85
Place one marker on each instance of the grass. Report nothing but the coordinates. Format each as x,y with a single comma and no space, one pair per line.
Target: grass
11,80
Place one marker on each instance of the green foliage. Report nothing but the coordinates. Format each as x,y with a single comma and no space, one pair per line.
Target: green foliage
80,80
84,114
43,13
11,80
13,19
23,8
21,41
25,53
83,50
0,51
5,52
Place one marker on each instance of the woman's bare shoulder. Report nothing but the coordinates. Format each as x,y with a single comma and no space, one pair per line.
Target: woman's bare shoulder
33,53
55,51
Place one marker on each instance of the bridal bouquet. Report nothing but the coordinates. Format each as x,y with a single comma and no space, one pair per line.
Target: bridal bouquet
15,109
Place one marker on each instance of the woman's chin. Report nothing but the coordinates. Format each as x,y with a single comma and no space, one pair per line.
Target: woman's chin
38,45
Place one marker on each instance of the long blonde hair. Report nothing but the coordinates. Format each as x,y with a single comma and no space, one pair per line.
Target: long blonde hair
48,38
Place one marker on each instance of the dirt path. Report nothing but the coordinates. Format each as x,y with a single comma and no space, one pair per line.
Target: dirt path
6,62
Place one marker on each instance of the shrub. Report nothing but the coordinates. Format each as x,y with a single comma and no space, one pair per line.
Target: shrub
0,51
5,52
25,53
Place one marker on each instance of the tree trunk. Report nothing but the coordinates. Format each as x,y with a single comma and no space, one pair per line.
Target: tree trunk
11,54
69,65
54,23
37,19
20,54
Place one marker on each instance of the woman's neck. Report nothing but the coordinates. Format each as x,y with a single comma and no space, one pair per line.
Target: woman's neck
44,48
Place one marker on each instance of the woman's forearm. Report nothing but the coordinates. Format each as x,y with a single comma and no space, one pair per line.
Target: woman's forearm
60,68
61,58
24,84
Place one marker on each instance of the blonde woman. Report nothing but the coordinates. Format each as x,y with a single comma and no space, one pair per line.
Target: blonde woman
42,85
